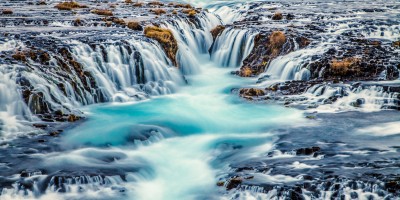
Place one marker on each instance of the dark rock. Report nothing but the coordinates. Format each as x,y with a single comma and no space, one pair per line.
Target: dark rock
234,183
307,151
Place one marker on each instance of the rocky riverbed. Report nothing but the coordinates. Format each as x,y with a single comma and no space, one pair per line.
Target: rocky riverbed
210,100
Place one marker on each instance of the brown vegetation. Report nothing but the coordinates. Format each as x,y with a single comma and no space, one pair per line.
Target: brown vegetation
277,16
156,3
276,40
396,44
102,12
138,4
119,21
251,92
19,56
165,38
180,5
135,26
128,1
69,5
158,11
215,32
77,22
245,72
190,12
341,67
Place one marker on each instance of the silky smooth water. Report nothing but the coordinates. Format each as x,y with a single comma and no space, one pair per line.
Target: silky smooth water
178,141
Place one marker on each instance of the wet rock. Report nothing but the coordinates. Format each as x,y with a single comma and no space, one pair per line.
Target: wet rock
393,186
266,48
41,126
73,118
277,16
234,183
251,92
7,12
307,151
215,32
54,133
290,16
220,183
135,26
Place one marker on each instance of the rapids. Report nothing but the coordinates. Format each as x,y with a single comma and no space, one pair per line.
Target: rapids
154,131
183,134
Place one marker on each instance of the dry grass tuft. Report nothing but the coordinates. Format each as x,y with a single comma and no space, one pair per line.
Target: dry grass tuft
215,32
190,12
277,16
277,38
138,4
128,1
69,5
77,22
251,92
180,5
156,3
158,11
102,12
162,35
119,21
343,66
19,56
135,26
396,44
246,72
166,39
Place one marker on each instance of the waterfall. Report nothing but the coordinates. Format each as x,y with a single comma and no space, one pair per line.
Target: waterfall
293,66
123,71
82,73
14,113
128,70
194,39
232,47
229,12
364,98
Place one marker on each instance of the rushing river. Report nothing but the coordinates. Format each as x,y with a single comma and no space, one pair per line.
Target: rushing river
185,134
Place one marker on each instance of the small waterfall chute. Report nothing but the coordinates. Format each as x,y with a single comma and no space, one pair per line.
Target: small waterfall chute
232,47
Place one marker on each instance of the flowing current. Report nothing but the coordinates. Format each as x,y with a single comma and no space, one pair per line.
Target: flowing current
184,133
172,146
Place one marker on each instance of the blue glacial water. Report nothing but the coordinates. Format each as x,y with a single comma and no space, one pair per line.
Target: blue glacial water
180,142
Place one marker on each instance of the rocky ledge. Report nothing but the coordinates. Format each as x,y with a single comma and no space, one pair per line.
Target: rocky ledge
38,43
295,50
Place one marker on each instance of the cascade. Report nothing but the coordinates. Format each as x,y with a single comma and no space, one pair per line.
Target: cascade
232,47
194,39
181,132
130,70
14,113
291,66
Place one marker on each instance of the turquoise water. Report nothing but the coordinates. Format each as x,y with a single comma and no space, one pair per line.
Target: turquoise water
179,141
205,105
